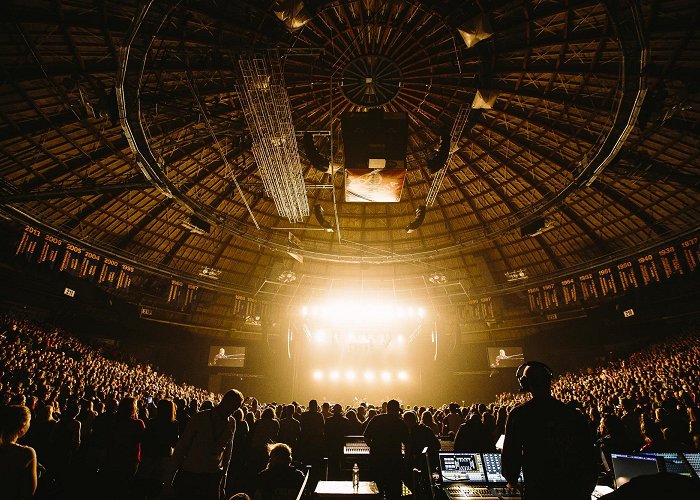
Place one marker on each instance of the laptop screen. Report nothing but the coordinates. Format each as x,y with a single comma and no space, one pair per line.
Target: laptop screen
492,466
694,461
461,467
673,462
627,467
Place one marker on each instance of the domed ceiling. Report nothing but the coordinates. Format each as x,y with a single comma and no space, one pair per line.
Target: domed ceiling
123,127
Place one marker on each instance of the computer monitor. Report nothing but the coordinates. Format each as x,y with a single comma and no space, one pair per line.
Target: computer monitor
673,462
492,466
461,468
626,467
694,462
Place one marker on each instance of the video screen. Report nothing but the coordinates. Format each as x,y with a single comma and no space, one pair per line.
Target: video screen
461,467
505,357
227,356
627,467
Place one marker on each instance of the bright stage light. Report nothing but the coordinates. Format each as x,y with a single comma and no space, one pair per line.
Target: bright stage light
320,336
400,339
359,310
350,376
402,375
318,375
335,376
386,377
369,376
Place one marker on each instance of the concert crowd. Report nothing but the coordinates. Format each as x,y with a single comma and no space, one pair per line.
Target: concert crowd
78,422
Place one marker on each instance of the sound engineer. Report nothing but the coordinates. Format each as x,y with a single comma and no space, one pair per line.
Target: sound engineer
549,441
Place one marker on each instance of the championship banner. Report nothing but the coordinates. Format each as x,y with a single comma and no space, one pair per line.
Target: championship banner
124,280
89,265
647,266
109,272
49,250
535,298
588,289
474,309
550,296
607,282
71,259
628,278
487,309
175,292
190,294
691,251
670,262
30,239
568,288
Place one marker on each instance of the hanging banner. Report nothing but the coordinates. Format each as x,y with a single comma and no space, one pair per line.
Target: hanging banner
568,288
589,290
487,309
49,250
29,241
109,272
71,259
550,296
535,299
175,292
691,251
89,265
628,278
607,282
474,309
647,267
190,295
124,280
670,262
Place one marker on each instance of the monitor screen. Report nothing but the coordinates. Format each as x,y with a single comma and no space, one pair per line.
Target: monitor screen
627,467
227,356
694,461
673,462
505,357
462,467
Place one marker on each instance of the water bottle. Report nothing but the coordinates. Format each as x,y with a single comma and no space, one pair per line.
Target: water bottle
355,476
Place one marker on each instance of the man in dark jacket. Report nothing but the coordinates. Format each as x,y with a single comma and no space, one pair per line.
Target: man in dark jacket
549,441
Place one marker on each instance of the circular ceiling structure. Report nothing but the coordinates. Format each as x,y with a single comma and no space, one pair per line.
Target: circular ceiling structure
371,81
123,128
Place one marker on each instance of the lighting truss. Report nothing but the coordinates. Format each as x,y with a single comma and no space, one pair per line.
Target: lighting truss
516,275
455,135
269,116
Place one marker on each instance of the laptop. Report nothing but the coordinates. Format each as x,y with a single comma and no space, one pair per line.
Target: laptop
674,463
627,467
693,460
462,476
495,478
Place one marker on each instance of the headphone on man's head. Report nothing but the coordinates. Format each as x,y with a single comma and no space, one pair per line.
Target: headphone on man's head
522,379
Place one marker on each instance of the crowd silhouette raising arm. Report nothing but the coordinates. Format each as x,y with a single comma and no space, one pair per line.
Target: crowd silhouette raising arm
74,420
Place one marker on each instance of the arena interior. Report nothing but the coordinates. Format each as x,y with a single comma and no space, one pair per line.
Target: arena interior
357,203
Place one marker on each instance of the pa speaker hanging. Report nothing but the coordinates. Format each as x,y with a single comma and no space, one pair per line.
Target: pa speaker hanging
318,161
438,161
418,221
319,214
